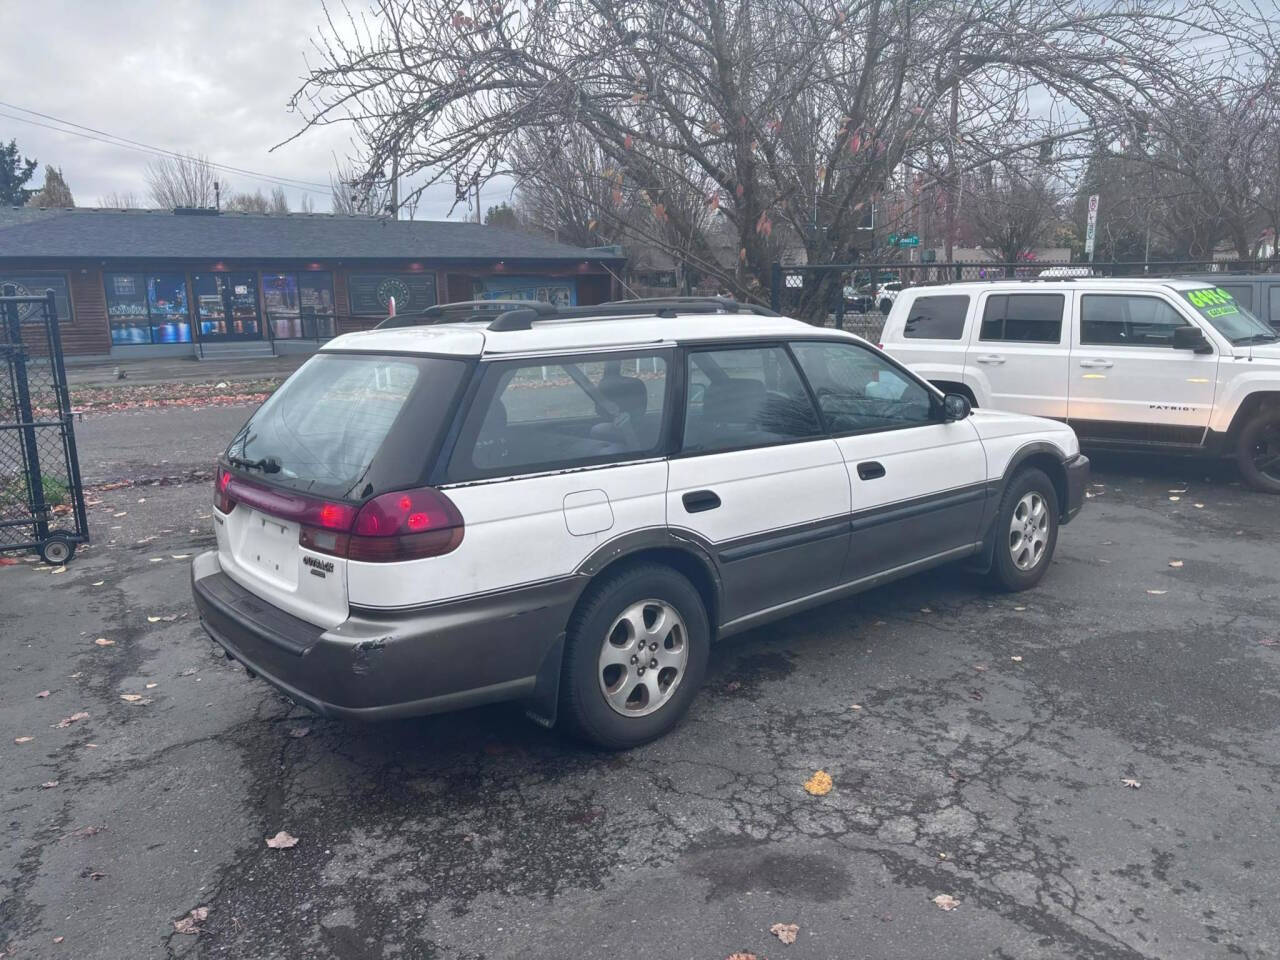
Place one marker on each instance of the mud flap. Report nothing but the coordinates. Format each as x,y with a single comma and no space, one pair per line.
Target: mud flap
543,704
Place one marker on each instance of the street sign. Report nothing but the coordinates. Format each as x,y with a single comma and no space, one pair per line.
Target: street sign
1092,231
910,240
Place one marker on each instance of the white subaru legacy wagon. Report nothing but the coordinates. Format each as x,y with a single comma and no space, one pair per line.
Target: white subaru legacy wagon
567,507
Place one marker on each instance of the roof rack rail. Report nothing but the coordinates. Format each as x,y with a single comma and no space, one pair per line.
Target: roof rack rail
523,316
461,311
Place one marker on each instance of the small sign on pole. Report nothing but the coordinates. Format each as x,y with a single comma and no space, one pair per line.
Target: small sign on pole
1092,231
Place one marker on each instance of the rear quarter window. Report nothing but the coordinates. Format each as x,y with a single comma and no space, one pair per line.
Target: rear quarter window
936,318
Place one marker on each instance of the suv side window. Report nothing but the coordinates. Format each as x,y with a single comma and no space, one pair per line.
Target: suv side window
1242,293
745,397
560,412
858,389
1108,320
936,318
1023,318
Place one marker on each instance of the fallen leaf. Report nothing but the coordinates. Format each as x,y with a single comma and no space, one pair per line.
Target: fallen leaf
1019,609
1157,593
84,832
74,718
104,642
1131,783
48,784
23,739
786,932
1270,642
9,561
61,569
1175,499
168,619
1016,659
741,956
282,841
299,732
58,939
98,583
819,785
155,560
856,706
946,901
925,610
975,694
42,694
152,686
131,697
1183,490
980,667
122,513
180,556
190,924
1199,506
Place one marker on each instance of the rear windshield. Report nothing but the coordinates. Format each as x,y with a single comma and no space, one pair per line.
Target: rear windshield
322,430
1231,318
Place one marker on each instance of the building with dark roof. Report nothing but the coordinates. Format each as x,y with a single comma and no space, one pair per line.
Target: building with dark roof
138,282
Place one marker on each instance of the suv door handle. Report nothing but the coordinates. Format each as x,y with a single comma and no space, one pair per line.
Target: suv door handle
1094,364
696,501
870,470
994,358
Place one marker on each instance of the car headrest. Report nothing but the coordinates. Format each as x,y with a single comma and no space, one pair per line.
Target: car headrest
733,400
628,393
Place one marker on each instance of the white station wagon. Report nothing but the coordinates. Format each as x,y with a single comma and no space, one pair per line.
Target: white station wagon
567,507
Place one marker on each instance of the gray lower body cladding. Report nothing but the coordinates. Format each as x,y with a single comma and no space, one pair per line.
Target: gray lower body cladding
376,666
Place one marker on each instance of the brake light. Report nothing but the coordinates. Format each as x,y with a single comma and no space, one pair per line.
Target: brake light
221,496
405,525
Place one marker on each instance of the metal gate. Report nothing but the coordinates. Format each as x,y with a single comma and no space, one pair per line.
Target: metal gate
41,496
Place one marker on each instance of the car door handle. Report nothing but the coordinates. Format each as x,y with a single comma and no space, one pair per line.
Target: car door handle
992,358
1096,364
870,470
696,501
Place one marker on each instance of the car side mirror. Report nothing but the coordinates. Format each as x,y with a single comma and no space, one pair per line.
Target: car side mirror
1190,338
956,406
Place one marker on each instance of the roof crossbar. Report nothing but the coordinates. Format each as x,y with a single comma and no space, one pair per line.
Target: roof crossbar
524,316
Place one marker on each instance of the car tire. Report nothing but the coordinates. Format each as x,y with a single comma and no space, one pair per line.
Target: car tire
608,695
1256,446
1025,531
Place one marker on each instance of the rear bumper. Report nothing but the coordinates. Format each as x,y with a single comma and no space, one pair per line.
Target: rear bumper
1077,479
376,665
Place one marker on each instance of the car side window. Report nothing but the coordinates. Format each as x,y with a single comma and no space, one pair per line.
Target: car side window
561,412
745,397
936,318
1023,318
858,389
1108,320
1273,307
1242,293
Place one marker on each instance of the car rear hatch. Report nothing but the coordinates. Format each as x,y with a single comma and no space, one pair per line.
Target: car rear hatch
343,429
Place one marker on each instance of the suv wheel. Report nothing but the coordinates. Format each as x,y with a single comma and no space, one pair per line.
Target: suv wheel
1258,451
1026,531
635,655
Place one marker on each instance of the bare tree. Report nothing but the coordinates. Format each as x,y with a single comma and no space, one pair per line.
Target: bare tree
255,202
355,194
181,181
54,193
121,201
279,201
1013,211
306,204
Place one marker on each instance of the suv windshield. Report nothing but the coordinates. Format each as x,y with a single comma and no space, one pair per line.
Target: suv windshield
1229,316
320,432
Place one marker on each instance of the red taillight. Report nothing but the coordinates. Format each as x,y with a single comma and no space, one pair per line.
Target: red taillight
405,526
222,499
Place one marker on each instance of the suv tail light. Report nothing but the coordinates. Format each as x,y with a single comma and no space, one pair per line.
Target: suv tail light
405,525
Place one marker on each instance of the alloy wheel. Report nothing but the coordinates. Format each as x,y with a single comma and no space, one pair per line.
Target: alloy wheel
1029,531
643,658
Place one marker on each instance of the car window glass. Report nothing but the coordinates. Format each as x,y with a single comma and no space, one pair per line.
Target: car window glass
1242,292
857,389
936,318
745,398
1131,321
1273,307
561,412
1023,318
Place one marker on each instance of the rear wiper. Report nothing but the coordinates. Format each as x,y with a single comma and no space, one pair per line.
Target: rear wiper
266,464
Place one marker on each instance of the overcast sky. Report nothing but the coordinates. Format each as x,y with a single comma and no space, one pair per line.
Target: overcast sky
204,76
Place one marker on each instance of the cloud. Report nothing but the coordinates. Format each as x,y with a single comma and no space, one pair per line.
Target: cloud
203,77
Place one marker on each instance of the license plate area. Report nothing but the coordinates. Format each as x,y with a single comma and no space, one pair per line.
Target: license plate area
270,549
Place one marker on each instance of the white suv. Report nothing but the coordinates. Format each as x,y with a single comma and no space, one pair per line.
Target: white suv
566,507
1161,365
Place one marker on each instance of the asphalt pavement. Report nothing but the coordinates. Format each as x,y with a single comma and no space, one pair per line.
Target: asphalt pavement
979,745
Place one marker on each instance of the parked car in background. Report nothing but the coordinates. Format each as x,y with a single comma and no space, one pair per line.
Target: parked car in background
1258,293
1161,365
567,506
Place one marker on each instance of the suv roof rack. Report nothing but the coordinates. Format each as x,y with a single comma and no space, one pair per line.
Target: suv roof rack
461,311
524,316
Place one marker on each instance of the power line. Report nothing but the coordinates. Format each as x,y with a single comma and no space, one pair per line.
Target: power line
113,140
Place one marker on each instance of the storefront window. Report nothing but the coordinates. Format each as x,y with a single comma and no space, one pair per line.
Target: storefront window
148,308
227,304
299,305
170,312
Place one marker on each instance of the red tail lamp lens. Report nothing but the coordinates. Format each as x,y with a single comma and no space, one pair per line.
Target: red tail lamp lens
222,499
405,526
